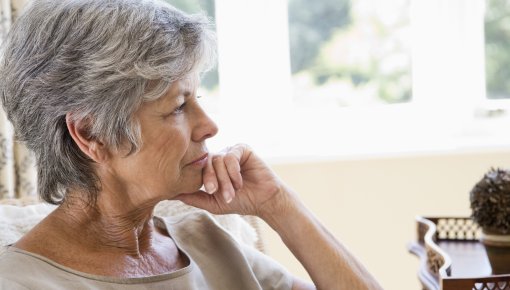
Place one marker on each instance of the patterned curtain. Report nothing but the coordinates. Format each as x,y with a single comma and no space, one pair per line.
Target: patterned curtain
18,177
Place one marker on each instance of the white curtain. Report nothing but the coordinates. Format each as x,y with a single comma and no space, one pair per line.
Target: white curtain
18,178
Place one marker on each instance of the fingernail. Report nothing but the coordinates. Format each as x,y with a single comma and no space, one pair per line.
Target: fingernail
210,188
227,196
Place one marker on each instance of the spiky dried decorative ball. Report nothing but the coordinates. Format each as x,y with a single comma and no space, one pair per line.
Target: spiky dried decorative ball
490,202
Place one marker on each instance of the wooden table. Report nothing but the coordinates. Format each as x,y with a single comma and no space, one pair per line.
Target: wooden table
452,258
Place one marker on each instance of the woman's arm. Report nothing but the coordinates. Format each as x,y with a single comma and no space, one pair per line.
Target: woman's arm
237,181
327,261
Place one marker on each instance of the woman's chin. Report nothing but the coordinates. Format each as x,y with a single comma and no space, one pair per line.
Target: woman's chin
197,184
192,188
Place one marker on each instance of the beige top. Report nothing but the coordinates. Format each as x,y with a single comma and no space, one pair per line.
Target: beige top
217,261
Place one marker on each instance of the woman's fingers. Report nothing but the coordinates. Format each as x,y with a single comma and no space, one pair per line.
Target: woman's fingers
223,172
225,184
234,170
209,177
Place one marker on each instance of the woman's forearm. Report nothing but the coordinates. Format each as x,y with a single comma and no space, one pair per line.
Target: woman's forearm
327,261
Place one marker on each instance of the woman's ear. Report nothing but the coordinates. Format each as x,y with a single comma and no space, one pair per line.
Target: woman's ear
90,146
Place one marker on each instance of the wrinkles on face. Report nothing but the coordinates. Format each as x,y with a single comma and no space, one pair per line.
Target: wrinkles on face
170,140
170,155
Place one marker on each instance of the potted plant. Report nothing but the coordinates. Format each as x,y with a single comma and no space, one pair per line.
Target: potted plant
490,204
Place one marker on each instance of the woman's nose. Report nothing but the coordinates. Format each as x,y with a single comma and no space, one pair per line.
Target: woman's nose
205,128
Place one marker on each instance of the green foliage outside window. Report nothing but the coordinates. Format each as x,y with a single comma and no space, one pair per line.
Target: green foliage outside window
319,28
342,43
497,48
311,24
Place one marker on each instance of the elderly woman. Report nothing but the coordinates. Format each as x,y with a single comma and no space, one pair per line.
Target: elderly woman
104,93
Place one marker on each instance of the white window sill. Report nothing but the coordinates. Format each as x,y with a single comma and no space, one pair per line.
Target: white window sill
301,134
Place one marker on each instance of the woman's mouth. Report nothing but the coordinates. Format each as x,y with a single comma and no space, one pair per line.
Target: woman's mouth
200,162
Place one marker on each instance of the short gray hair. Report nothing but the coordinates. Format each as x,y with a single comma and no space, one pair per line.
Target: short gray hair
94,59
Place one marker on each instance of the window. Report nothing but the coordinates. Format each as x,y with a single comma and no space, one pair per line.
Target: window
358,77
350,52
497,43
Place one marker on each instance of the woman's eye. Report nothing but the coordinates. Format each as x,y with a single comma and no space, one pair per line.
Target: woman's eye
179,109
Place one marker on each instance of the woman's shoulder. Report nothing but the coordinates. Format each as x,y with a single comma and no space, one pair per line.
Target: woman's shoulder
10,260
187,218
11,285
210,245
192,223
197,222
195,229
10,264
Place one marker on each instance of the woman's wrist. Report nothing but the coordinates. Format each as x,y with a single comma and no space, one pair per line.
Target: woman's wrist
282,211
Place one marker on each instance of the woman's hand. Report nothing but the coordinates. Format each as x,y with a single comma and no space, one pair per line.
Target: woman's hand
238,181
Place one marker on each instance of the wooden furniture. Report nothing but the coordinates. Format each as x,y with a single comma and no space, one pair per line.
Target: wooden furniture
452,258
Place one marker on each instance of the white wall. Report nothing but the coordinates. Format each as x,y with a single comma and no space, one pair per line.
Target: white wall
370,204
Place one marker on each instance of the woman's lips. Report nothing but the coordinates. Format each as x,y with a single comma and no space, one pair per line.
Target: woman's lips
201,161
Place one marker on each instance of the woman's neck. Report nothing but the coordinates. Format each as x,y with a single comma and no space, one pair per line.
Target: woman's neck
109,224
111,238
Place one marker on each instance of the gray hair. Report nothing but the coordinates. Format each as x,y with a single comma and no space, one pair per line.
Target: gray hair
98,60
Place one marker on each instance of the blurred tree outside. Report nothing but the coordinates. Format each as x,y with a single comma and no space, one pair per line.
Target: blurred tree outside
210,80
352,51
311,23
497,45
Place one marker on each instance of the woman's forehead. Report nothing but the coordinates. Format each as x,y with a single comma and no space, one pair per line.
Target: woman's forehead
189,84
182,88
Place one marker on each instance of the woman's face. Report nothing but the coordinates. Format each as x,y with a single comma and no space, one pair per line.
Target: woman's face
173,151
